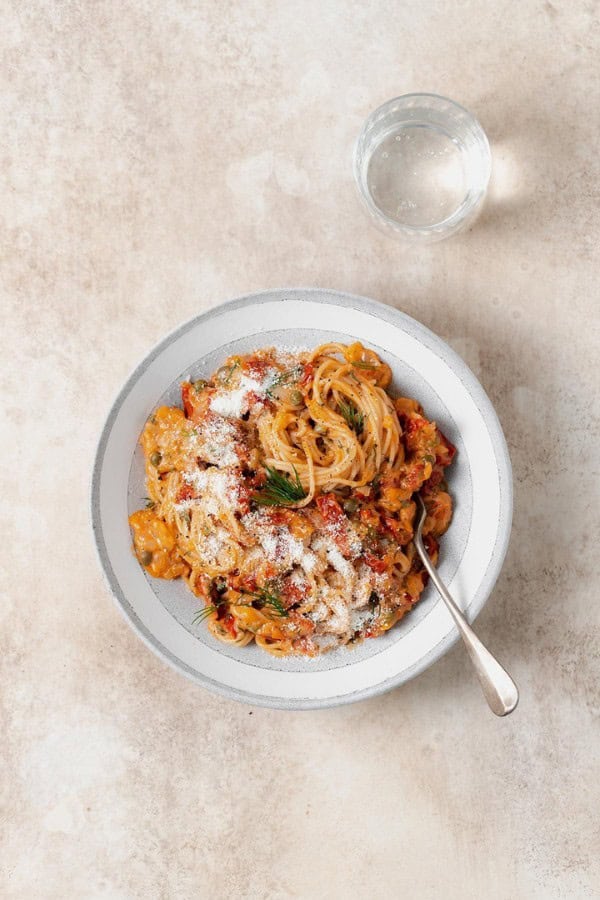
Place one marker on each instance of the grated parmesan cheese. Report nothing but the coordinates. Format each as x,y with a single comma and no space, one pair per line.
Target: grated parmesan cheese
234,403
354,541
360,618
340,564
279,545
217,442
325,642
339,620
319,612
218,489
298,579
366,582
309,561
213,545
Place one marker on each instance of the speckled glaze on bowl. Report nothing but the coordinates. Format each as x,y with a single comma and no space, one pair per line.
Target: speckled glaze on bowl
472,551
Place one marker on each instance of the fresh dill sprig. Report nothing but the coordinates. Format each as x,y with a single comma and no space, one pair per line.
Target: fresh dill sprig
231,369
150,504
205,613
354,418
268,597
223,375
289,376
280,490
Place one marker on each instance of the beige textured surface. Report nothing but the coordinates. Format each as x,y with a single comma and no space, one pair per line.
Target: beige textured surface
157,158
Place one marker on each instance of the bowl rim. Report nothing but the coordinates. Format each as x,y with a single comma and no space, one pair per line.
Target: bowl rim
395,317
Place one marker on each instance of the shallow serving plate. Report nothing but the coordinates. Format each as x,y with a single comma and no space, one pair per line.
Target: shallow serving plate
472,551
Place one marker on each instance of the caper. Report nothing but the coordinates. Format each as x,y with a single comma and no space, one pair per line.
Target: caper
350,505
145,557
156,458
296,398
200,385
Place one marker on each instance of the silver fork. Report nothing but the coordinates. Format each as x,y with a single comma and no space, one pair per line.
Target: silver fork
499,689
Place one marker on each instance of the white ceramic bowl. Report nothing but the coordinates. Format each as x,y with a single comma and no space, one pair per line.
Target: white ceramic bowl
472,551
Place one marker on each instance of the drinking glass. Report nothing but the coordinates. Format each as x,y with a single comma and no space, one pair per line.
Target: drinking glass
422,164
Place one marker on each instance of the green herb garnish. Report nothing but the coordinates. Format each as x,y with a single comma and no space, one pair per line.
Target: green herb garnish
230,370
268,597
289,376
204,613
150,504
354,418
280,490
223,375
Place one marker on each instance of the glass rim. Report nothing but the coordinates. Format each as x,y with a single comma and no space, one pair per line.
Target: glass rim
469,203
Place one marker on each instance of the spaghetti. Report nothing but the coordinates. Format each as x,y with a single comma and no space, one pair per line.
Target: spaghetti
282,492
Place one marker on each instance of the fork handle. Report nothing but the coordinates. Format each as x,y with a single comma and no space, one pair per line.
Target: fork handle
499,689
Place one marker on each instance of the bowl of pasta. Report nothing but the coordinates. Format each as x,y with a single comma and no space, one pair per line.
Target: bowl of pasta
253,497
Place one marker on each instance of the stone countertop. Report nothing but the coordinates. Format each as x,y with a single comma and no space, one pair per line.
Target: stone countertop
156,159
